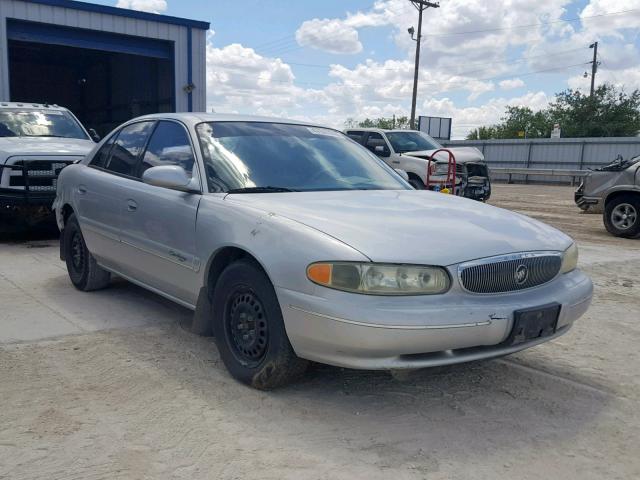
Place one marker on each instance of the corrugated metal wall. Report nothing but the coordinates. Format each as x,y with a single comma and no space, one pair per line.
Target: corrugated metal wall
69,17
562,153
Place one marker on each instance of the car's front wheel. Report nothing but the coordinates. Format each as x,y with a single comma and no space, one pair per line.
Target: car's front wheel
416,183
622,216
84,271
249,329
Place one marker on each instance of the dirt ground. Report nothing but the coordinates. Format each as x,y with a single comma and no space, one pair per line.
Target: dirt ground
111,385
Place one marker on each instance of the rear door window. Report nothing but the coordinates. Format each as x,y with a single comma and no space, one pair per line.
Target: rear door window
128,147
169,145
376,140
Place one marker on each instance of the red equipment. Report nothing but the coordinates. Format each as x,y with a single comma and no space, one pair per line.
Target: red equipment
451,171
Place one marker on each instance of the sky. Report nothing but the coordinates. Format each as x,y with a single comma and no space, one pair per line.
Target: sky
331,60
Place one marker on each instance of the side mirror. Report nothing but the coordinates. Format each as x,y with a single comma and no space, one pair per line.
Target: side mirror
168,176
381,151
402,173
94,135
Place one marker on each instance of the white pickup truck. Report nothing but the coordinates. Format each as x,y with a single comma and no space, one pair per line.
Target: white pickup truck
411,150
36,142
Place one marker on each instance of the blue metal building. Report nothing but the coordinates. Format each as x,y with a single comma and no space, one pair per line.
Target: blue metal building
106,64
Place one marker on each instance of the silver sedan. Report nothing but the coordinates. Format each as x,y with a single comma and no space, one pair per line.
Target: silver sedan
293,243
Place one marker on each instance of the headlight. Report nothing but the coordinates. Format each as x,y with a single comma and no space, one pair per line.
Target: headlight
570,259
380,279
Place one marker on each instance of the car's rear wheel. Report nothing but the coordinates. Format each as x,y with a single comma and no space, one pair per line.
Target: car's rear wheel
249,329
622,216
84,271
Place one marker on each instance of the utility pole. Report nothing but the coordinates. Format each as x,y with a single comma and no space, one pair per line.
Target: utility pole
594,67
421,5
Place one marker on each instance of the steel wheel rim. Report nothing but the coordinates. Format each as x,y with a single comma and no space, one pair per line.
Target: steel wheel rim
624,216
77,252
246,326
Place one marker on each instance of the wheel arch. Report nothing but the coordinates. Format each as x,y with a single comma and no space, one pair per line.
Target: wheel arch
217,262
618,193
222,258
414,176
66,212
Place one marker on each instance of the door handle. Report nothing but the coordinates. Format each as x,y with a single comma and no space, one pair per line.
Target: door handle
132,206
395,161
82,189
178,256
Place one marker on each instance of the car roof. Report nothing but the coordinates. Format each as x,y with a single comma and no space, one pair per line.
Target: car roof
200,117
379,130
31,106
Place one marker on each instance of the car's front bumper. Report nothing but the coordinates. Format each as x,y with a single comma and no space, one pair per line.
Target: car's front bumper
586,202
368,332
21,198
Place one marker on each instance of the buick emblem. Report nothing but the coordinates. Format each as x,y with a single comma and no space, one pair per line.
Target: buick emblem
521,275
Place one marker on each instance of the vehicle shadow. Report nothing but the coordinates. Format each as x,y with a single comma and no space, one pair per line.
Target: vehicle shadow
16,232
468,411
466,408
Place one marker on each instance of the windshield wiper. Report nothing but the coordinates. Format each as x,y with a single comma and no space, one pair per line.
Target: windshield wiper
53,136
261,190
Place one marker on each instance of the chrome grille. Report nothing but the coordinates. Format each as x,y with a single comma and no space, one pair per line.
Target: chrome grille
510,272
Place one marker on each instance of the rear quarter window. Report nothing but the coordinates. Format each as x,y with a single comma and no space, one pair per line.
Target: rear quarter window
128,146
355,135
102,155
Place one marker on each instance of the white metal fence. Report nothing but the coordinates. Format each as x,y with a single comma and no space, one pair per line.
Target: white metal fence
550,153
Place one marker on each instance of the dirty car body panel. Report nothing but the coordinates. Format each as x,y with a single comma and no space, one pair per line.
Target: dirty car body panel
598,184
286,232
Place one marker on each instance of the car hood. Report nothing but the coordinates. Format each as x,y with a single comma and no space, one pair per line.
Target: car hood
411,226
44,145
462,154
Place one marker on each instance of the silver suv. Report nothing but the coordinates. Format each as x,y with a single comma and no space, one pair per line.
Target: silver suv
614,190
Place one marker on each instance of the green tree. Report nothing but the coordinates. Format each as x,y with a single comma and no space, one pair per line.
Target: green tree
522,119
610,113
382,122
483,133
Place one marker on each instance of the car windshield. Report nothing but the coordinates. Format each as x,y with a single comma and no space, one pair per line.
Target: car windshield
260,157
38,123
411,142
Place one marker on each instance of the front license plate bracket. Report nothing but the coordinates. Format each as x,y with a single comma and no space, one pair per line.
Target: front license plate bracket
533,323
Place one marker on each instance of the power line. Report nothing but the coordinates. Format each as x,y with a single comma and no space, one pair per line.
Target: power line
484,62
288,42
449,82
275,41
570,20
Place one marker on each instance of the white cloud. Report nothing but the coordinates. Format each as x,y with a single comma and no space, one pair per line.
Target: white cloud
340,35
474,65
241,80
511,83
151,6
629,79
595,20
332,36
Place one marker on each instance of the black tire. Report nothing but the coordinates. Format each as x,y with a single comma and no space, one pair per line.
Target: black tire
416,183
84,271
249,329
615,220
